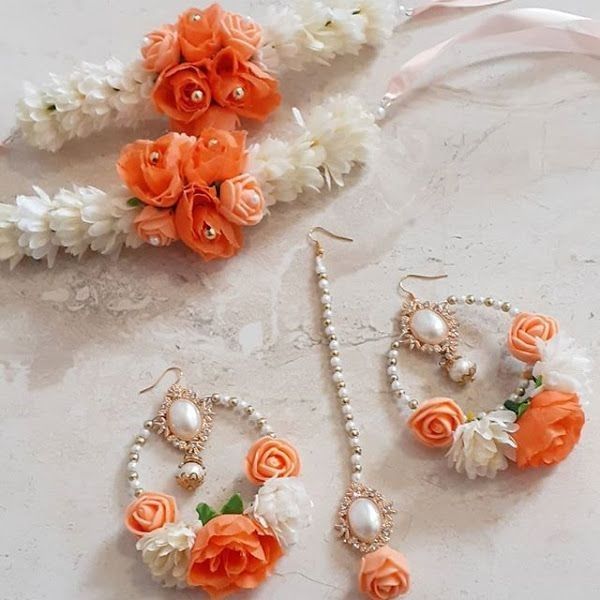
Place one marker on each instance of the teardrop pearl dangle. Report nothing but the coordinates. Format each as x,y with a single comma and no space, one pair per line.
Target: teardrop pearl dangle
432,328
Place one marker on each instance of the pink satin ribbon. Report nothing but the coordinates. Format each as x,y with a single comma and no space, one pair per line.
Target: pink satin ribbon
417,10
526,29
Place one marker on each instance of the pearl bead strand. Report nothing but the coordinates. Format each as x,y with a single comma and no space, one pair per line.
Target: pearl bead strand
337,372
134,457
245,409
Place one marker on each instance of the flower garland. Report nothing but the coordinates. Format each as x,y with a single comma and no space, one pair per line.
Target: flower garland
539,425
207,70
199,190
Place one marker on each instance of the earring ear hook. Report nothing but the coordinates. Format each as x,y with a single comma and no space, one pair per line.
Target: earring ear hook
169,370
417,276
335,236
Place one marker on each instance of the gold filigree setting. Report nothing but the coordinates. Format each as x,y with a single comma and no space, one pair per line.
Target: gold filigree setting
448,347
355,492
193,448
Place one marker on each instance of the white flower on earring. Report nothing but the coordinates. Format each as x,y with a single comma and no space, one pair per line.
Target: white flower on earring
481,446
562,366
283,506
166,552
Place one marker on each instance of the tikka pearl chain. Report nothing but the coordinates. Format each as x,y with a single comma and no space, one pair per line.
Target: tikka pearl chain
337,372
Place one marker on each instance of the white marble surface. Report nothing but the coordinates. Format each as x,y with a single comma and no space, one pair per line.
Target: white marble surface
491,175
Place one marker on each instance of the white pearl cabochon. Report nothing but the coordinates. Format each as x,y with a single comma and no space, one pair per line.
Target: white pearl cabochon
429,327
364,519
184,419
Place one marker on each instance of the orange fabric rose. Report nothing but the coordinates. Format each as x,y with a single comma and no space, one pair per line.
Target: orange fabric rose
270,457
183,92
156,226
549,429
217,155
232,553
151,169
161,50
202,228
216,117
384,574
435,421
241,200
243,87
149,512
526,329
200,32
241,33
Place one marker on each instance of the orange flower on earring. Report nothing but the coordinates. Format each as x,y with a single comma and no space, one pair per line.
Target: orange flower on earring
526,329
549,429
435,422
384,574
271,457
149,512
232,553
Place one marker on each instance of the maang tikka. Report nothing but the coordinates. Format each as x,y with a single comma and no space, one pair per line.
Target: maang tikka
365,518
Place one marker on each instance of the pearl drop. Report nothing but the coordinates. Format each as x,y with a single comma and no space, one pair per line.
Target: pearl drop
196,17
154,240
334,345
461,370
154,157
356,477
325,299
336,361
192,468
145,433
239,92
135,448
429,327
330,330
132,466
184,419
323,284
364,519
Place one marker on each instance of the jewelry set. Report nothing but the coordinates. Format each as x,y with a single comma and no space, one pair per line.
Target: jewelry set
201,184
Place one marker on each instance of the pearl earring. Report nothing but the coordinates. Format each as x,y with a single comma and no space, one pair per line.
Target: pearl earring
432,328
183,553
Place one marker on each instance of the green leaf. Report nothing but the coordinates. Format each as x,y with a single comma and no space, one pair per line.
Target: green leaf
233,506
523,407
205,512
511,405
538,381
134,202
519,408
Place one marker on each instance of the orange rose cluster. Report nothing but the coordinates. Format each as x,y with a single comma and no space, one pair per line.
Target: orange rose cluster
206,75
194,189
